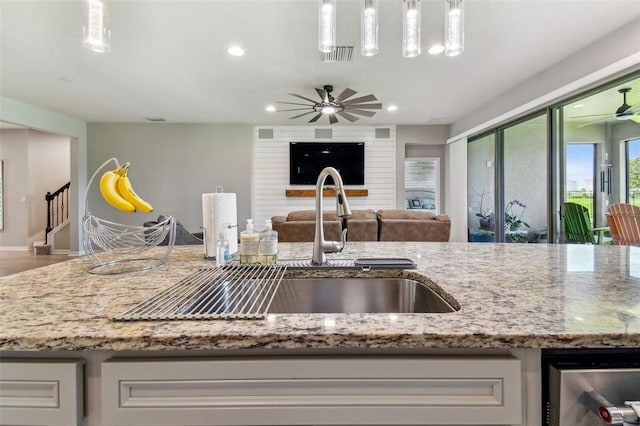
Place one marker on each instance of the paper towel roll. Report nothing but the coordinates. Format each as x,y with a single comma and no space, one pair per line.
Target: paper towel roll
219,208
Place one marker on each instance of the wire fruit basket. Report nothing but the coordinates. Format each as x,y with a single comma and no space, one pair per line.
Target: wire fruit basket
116,248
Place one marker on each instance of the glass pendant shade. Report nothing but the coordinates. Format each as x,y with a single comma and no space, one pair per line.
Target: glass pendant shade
411,28
454,27
369,28
327,26
96,34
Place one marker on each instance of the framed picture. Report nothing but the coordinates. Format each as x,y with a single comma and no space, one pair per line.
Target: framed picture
415,204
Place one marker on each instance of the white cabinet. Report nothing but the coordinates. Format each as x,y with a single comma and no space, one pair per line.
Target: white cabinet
41,392
308,390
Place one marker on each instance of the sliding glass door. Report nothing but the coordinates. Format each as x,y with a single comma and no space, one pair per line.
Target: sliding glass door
525,171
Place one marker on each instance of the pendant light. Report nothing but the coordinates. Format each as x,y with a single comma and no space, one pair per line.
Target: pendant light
411,28
454,27
369,28
96,34
327,26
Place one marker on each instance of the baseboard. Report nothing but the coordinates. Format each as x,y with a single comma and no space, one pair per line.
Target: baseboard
60,251
15,248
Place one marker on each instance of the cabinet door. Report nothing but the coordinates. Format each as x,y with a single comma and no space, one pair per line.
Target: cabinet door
41,392
318,391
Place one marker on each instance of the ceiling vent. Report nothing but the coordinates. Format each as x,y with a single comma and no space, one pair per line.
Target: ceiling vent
155,119
339,54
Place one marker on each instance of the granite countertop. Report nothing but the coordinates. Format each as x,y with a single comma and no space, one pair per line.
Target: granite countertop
510,296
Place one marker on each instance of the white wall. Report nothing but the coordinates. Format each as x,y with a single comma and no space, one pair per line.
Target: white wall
14,153
48,169
271,170
36,118
172,165
456,188
35,162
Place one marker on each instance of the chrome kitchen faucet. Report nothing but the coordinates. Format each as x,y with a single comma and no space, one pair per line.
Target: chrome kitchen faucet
320,246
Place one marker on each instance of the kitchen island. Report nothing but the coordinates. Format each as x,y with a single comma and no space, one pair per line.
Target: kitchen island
513,300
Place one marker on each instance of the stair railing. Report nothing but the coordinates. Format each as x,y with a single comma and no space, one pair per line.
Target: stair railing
56,211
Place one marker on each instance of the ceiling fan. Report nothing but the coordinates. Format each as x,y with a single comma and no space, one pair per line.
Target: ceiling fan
623,112
332,106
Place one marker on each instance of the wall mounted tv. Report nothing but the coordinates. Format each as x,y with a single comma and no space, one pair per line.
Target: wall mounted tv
307,159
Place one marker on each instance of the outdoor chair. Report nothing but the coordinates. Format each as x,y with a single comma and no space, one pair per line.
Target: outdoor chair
624,221
577,226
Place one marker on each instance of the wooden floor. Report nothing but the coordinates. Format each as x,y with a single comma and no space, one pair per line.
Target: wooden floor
13,261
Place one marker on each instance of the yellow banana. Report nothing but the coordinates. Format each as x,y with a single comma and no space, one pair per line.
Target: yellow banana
109,191
127,192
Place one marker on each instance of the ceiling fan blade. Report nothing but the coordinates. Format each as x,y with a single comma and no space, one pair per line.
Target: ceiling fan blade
366,106
315,118
302,97
333,119
361,99
301,115
362,112
595,121
346,93
592,115
296,109
294,103
324,95
348,116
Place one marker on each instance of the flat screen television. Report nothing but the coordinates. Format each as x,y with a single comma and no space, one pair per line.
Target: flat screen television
307,159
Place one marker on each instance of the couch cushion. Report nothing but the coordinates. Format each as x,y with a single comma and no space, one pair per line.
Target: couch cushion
306,215
405,214
363,214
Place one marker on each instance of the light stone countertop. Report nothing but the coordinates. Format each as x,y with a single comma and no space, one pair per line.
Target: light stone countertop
510,296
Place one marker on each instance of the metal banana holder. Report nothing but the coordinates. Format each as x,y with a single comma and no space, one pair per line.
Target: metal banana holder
123,248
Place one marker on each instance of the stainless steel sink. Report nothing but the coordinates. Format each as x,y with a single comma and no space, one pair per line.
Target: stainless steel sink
356,295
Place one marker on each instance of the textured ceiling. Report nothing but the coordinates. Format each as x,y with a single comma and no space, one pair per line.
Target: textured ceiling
169,58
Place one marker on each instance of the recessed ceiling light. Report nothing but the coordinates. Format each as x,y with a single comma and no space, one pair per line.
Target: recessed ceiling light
270,108
578,106
392,108
436,49
236,51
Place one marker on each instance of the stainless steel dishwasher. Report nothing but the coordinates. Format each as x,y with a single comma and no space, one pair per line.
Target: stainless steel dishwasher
584,387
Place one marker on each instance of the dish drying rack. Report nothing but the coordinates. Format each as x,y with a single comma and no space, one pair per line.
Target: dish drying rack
116,248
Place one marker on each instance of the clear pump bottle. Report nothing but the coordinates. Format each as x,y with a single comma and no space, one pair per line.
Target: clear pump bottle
268,247
222,249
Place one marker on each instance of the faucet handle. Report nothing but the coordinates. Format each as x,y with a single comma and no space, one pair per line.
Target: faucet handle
344,240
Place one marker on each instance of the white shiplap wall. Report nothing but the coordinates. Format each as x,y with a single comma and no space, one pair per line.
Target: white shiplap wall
271,170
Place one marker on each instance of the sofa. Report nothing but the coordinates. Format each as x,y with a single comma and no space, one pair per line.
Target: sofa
300,225
412,225
365,225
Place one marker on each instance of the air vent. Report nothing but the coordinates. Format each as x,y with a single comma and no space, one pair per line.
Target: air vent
265,133
324,133
383,133
155,119
339,54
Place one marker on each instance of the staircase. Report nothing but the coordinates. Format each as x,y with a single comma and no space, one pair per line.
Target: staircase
57,218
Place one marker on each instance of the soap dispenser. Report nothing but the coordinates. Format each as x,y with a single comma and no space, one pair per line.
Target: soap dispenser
249,244
268,246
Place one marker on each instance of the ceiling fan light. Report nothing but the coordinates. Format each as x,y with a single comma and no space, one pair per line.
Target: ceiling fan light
411,13
369,27
454,27
96,34
327,26
328,109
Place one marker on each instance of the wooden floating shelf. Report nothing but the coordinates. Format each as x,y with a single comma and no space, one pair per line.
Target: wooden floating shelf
326,192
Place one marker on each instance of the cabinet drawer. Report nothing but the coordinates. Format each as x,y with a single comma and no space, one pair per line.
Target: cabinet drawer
319,391
41,392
